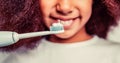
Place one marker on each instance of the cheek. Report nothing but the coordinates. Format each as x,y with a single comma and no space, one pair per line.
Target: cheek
85,7
45,9
86,12
46,6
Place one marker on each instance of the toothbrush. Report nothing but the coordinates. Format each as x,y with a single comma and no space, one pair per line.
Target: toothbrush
8,37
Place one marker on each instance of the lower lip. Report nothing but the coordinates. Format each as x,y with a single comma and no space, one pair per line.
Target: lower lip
68,26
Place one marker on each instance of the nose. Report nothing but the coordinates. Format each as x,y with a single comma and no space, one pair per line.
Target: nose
64,7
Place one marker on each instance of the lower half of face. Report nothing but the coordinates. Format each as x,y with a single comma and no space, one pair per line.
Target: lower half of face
74,23
71,27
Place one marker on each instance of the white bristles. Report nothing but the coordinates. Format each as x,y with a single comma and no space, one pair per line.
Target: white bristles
57,26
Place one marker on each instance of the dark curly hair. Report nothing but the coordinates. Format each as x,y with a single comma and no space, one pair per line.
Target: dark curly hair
24,16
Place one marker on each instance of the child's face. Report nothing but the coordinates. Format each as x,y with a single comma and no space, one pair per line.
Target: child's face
73,14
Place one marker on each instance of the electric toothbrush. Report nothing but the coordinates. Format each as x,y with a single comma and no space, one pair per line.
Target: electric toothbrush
8,37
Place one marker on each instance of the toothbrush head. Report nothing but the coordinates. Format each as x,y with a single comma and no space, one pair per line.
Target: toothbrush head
57,27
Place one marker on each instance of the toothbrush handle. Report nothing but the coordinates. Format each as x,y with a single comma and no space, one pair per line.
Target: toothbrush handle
8,38
35,34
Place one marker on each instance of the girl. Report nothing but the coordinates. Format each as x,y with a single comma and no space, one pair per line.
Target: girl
86,23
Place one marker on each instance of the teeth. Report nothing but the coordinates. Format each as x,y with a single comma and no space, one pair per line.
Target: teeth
66,23
57,24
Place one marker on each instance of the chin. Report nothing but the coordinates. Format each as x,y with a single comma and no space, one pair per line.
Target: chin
64,36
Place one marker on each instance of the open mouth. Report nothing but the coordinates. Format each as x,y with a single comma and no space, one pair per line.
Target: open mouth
67,22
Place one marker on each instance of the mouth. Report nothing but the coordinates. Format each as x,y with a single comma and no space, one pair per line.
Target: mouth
67,22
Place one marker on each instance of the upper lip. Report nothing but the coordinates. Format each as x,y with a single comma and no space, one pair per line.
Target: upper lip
63,18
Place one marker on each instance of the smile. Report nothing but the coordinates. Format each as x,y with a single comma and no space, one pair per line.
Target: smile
67,22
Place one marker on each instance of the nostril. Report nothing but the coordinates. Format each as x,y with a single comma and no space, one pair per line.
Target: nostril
64,12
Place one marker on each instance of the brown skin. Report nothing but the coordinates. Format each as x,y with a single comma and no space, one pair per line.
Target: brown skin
78,11
76,38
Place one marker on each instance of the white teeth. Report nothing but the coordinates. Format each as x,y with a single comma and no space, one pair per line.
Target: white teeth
66,23
57,24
